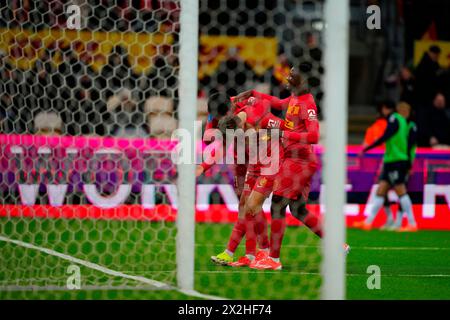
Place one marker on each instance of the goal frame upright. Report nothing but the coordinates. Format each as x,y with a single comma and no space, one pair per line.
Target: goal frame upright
187,114
336,44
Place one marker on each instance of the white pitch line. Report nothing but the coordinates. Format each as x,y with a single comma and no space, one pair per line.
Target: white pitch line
352,247
249,271
108,271
62,288
197,294
402,248
85,263
318,274
318,247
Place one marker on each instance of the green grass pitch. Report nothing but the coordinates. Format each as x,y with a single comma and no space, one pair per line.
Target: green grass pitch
413,265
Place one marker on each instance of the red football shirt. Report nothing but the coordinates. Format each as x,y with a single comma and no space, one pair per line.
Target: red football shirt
301,118
213,124
255,108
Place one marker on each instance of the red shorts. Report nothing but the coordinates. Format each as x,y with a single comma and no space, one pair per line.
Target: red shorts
260,177
257,182
294,178
254,180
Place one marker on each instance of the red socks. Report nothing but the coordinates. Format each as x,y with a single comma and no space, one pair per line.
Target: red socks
277,229
261,231
250,235
236,235
256,233
314,223
254,228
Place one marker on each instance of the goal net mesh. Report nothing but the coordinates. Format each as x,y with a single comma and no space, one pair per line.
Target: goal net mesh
89,99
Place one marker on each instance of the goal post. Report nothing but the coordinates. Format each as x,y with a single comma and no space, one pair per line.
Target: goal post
335,156
187,116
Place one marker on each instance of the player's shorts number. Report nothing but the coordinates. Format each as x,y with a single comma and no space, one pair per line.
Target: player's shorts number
393,176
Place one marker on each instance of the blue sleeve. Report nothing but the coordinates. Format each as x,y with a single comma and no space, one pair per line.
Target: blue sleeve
391,129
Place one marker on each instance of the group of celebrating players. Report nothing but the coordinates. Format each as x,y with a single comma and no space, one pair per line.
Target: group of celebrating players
289,183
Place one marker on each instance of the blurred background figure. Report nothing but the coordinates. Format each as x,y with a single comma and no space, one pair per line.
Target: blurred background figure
376,130
117,73
439,123
233,75
127,119
407,84
280,72
160,116
427,93
48,123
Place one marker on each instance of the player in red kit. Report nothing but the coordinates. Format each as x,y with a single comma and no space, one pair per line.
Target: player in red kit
241,181
252,113
260,177
218,107
292,183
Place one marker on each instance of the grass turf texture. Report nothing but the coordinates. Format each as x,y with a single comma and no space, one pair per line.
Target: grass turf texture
413,266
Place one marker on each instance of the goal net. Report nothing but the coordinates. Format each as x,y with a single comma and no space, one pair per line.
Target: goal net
92,202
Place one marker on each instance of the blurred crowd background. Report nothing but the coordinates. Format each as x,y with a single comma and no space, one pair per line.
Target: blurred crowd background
80,88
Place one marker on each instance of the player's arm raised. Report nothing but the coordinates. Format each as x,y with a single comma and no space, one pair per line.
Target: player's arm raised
275,102
310,136
391,129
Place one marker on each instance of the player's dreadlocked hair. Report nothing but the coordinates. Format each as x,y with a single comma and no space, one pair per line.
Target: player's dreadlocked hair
218,104
228,122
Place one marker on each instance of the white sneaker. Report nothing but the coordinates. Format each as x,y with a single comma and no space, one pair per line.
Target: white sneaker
388,225
394,227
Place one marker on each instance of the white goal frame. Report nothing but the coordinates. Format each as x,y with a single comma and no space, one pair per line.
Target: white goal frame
336,16
187,115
